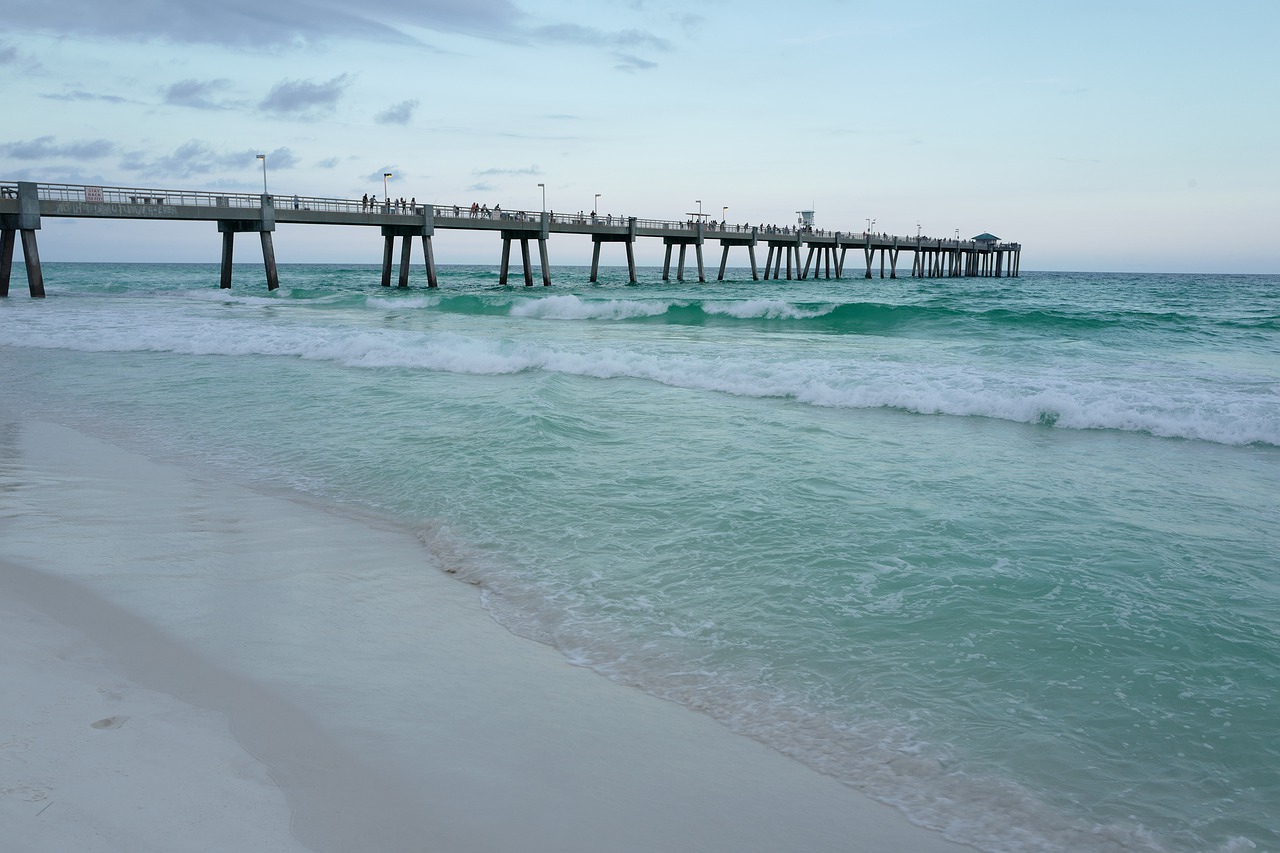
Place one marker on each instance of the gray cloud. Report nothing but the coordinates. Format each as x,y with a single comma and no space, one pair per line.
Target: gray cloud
482,187
8,54
196,158
251,24
46,147
399,113
328,163
195,93
303,97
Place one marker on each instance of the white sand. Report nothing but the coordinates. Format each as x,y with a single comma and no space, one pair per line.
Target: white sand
115,736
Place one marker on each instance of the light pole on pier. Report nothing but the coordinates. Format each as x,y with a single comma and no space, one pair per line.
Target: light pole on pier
263,158
699,203
544,197
917,231
595,205
723,211
870,224
957,235
385,194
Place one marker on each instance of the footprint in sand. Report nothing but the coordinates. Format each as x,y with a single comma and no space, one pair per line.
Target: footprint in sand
109,723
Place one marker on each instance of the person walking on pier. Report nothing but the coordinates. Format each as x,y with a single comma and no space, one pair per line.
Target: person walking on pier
364,202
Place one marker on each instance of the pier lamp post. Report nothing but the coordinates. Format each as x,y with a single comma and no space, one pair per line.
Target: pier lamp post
723,211
917,232
385,194
698,201
595,205
263,158
544,197
957,235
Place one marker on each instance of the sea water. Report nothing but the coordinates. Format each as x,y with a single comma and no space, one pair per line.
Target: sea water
1001,552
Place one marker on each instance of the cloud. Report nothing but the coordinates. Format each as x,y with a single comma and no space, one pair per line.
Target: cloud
195,158
46,147
81,95
528,170
399,113
303,97
298,24
195,93
566,33
377,176
328,163
629,63
254,24
8,54
482,187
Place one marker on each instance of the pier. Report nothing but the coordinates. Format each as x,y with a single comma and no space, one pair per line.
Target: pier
24,204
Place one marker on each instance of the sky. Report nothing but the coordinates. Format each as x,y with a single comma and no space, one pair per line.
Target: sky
1125,135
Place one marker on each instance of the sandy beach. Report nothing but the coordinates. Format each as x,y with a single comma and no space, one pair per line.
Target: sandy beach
120,735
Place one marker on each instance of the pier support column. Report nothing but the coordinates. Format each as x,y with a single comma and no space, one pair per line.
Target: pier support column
544,261
8,237
628,239
264,226
868,253
25,222
388,250
269,261
228,250
31,259
684,247
893,263
728,242
666,263
430,259
406,257
506,263
524,258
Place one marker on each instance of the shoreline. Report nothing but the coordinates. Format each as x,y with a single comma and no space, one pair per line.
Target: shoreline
525,750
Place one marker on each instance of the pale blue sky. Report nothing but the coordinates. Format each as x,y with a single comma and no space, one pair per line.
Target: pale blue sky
1102,135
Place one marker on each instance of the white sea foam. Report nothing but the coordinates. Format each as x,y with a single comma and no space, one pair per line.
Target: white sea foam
766,309
1170,407
569,307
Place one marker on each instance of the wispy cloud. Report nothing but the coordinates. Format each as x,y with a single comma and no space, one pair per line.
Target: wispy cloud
630,63
82,95
488,173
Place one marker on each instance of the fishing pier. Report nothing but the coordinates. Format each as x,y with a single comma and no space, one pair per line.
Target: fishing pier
24,204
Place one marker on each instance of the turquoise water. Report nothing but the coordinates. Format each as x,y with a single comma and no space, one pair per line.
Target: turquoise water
1001,552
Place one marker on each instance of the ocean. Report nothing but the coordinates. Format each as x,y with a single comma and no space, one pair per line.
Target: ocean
1003,553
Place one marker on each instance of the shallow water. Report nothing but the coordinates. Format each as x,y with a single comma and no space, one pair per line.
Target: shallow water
999,551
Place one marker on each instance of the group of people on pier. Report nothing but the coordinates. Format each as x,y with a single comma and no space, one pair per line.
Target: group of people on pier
392,205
